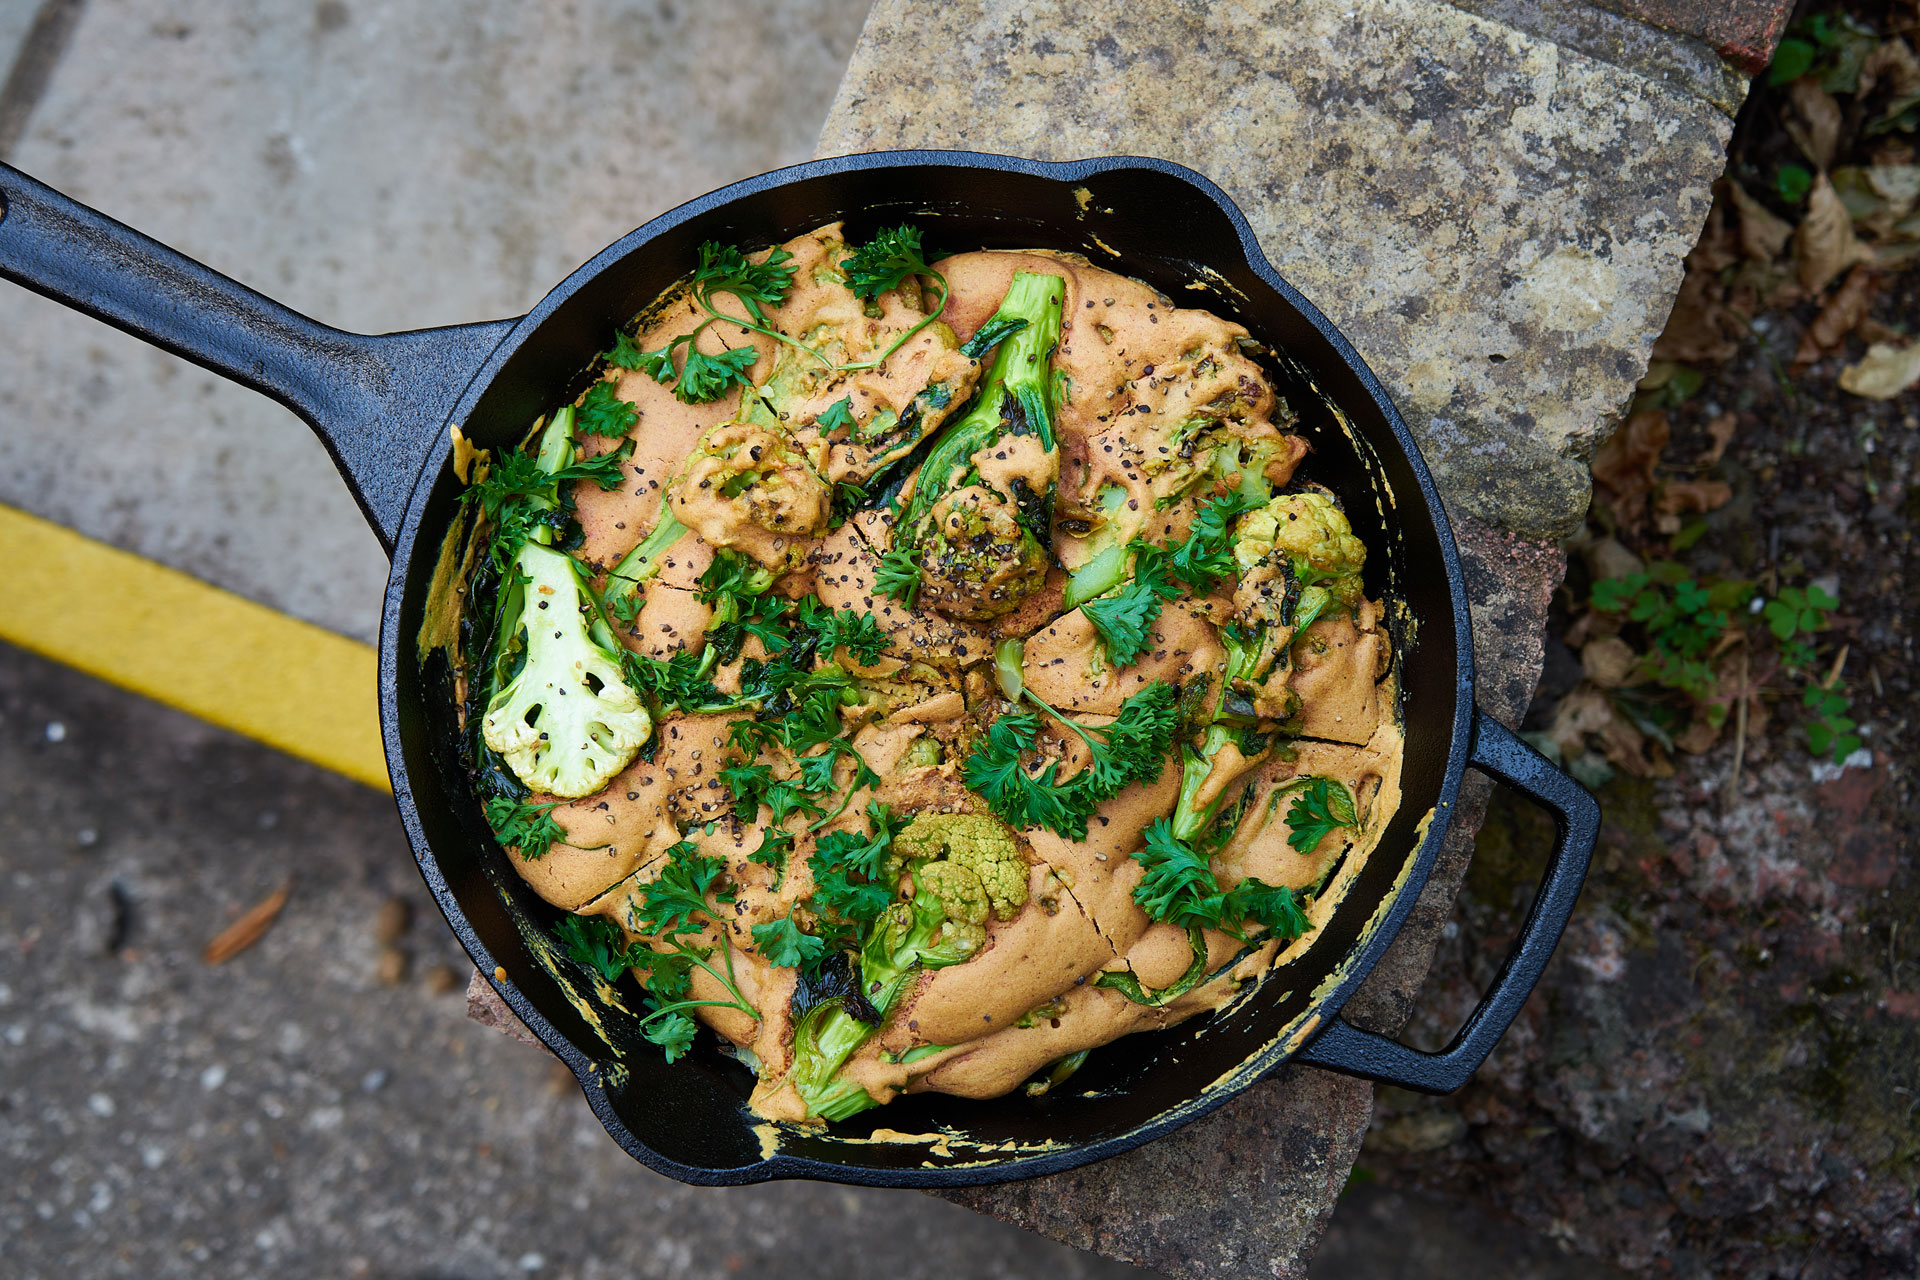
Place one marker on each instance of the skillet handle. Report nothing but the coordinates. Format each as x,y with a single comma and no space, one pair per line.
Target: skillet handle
1497,752
376,402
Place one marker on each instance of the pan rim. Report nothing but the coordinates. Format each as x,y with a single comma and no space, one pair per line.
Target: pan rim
1353,968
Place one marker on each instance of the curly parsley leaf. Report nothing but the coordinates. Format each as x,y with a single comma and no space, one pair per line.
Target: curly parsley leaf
625,352
1178,885
596,945
785,946
724,268
1321,806
603,413
670,902
899,576
883,262
526,826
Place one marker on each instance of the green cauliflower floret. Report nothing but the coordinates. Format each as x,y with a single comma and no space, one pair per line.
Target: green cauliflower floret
975,842
959,900
1313,535
568,721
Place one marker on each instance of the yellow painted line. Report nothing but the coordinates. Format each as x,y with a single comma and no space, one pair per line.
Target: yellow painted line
182,642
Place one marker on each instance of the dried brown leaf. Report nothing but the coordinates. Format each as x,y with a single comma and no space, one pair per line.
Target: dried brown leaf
1763,237
1609,661
1623,467
1892,66
248,929
1587,715
1698,737
1884,372
1720,432
1816,131
1825,245
1682,497
1846,308
1700,328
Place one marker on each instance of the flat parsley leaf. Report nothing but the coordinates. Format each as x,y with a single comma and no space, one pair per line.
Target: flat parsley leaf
527,827
673,1032
1207,555
725,269
1322,806
1271,905
1123,620
596,945
670,902
836,416
785,946
604,413
704,377
1131,749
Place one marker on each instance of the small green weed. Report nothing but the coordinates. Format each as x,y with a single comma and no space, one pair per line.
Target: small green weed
1684,625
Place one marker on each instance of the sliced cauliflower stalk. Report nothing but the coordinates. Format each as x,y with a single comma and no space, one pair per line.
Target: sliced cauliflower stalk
568,722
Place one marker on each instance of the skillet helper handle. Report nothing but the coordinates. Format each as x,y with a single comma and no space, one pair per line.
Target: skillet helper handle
376,402
1500,754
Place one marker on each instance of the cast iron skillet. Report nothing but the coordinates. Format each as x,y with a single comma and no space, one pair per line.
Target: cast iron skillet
382,405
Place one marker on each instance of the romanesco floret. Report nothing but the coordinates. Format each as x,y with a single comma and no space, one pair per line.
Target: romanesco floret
976,842
568,721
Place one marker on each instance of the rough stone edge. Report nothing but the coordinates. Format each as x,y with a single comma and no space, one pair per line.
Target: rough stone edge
485,1007
1682,62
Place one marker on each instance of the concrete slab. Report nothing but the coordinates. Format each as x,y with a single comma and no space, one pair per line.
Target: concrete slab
377,167
290,1113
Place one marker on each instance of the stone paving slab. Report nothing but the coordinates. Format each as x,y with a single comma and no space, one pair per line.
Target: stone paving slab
1497,220
377,167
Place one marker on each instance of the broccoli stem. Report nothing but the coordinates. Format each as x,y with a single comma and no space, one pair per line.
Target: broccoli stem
643,562
1009,667
1197,766
1129,986
1014,397
1105,571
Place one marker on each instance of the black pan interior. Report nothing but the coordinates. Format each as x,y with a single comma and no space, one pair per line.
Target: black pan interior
1146,221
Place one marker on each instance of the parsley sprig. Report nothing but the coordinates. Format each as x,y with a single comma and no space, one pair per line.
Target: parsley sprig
526,826
672,909
1131,749
1161,572
886,262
